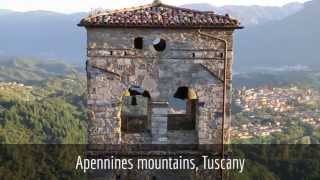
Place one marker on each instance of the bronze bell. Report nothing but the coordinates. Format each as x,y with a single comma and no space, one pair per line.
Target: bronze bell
192,94
146,94
182,93
126,93
185,93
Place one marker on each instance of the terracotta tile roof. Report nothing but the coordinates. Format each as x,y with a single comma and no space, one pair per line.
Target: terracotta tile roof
158,15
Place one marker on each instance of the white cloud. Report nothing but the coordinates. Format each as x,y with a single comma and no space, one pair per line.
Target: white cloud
69,6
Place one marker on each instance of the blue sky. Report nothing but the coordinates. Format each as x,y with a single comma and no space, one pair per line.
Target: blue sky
70,6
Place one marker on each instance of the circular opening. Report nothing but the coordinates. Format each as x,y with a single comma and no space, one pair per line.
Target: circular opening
159,44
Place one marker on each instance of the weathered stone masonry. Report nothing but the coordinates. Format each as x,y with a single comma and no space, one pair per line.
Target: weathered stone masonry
192,58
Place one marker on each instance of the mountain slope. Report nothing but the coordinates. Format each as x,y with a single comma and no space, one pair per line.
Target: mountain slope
30,71
43,34
289,42
251,15
49,35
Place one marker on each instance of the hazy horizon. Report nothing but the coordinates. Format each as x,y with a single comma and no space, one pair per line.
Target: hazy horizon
86,5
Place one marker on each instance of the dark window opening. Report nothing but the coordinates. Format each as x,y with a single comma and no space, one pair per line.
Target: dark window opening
159,44
111,53
183,108
135,111
193,55
221,55
138,43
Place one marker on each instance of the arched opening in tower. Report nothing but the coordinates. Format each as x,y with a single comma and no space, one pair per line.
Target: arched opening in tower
183,108
135,110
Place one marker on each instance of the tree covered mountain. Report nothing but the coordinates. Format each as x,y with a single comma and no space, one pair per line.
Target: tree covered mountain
289,42
27,70
48,109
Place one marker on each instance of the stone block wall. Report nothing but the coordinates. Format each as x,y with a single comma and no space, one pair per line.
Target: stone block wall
159,121
190,59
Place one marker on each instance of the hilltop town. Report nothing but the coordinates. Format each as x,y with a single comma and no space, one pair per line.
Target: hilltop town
265,111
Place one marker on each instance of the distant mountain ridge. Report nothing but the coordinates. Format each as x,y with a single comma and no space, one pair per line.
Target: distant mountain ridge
289,42
251,15
43,34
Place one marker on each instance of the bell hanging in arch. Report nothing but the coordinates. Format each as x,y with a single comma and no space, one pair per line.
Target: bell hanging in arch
181,93
191,94
185,93
126,93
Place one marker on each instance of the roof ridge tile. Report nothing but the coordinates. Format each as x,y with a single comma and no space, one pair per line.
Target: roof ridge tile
160,15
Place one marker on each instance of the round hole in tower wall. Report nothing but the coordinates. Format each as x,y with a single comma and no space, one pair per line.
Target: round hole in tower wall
159,44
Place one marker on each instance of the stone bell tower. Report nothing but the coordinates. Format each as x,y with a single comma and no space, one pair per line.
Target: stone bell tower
159,74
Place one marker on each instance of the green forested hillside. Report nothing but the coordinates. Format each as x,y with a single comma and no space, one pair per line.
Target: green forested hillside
48,109
32,71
